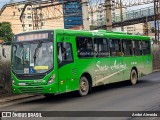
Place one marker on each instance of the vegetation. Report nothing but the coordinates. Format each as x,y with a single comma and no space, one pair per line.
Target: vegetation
6,33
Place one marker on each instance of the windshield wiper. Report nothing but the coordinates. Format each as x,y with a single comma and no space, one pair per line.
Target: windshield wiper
36,52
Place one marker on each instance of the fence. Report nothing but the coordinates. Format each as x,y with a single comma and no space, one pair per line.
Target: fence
5,66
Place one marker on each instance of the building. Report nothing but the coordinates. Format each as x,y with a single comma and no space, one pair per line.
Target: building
99,18
30,19
11,14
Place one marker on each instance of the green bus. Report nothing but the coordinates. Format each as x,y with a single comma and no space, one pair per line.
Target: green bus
57,61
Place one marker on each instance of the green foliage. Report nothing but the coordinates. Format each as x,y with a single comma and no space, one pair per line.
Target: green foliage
6,31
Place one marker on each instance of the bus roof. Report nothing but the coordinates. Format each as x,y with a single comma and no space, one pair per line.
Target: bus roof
96,33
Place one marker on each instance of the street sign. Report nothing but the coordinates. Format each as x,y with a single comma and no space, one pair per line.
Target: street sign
72,14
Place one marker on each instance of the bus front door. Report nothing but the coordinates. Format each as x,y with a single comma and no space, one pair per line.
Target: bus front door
65,66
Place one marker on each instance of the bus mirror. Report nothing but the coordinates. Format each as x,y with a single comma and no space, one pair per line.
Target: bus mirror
3,52
3,49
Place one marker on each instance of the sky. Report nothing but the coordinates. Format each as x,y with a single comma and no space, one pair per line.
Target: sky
2,2
139,7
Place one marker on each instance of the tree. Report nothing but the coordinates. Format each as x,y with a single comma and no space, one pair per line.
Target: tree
6,31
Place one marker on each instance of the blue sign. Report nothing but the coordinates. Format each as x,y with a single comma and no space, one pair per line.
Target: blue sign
72,14
31,70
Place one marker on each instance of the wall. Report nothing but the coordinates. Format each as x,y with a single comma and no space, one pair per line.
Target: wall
156,56
5,69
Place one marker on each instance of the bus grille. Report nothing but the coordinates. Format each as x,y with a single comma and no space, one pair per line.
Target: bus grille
36,77
33,84
32,90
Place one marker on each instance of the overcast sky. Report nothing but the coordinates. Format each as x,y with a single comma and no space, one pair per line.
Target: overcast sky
2,2
140,6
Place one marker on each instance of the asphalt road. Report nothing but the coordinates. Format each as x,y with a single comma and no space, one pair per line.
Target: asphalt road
145,96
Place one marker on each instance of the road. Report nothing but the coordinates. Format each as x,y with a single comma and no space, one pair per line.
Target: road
144,96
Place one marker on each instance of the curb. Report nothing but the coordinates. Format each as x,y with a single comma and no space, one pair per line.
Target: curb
156,70
13,98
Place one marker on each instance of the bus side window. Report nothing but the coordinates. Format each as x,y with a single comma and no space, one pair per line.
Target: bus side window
84,47
137,48
146,47
64,52
101,47
115,47
127,47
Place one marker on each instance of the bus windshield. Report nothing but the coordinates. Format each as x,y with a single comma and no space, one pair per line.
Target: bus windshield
32,57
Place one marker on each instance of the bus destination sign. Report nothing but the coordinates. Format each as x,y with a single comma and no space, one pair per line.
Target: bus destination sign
33,36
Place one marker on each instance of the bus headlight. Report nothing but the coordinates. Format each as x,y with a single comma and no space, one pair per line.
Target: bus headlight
51,80
13,82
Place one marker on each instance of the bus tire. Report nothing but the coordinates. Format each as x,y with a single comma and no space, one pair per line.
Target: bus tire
133,77
84,86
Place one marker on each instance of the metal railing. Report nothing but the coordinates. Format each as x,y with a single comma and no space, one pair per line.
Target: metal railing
130,15
135,14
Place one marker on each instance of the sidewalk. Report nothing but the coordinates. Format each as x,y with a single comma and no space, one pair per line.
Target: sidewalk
156,70
14,97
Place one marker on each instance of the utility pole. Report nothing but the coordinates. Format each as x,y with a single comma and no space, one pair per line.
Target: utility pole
121,14
146,27
158,19
158,29
85,14
158,7
108,15
155,21
92,21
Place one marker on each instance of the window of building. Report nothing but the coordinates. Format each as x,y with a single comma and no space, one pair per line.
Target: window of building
28,8
23,25
30,25
42,23
36,25
115,47
19,9
137,48
127,47
14,13
29,17
130,27
101,47
84,47
146,47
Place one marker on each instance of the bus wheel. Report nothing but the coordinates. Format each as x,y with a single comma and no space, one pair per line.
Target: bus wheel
83,86
133,77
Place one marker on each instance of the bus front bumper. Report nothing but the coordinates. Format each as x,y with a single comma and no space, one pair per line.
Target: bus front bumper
43,89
